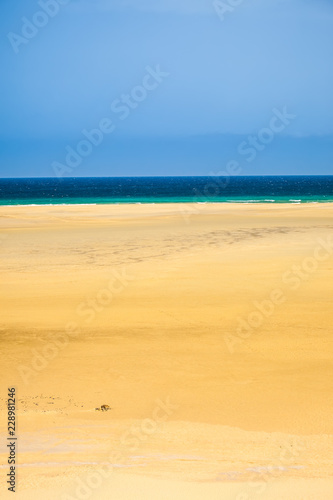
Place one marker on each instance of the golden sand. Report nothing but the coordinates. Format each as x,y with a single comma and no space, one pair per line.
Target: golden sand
206,328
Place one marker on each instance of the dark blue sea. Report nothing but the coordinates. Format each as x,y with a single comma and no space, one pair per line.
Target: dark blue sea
97,190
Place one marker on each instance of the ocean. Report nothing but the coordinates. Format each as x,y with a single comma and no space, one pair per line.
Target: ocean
98,190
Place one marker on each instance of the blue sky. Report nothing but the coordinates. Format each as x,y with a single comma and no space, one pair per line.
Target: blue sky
223,75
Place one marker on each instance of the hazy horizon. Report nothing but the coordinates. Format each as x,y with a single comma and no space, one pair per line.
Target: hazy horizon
165,88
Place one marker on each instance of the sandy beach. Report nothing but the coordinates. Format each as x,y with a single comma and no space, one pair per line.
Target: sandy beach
207,329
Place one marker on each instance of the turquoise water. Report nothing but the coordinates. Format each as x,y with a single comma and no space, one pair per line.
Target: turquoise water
293,189
100,201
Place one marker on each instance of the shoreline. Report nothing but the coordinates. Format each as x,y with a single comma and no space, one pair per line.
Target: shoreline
171,204
189,202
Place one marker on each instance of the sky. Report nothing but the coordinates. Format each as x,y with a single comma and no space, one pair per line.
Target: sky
165,87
